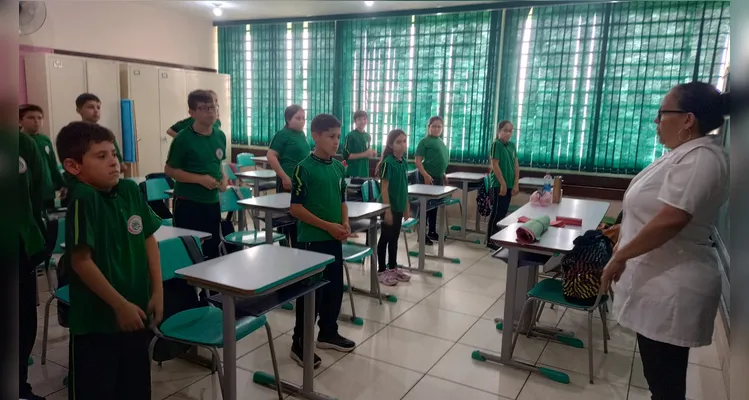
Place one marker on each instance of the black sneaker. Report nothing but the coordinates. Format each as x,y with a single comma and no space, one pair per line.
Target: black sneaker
493,246
298,355
433,236
335,342
428,242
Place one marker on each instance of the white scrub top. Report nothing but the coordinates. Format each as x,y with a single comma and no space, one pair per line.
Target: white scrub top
671,294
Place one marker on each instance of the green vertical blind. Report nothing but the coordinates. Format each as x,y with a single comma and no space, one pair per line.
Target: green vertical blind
581,83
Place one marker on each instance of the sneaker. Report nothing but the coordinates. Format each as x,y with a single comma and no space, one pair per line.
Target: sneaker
434,236
493,246
298,355
387,278
335,342
399,275
428,241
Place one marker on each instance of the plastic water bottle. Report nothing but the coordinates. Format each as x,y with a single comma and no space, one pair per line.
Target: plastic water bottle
548,182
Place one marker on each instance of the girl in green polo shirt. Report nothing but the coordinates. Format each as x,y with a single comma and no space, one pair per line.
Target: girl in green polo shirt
504,176
431,160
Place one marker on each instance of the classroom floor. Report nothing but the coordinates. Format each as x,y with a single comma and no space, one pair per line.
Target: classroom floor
418,349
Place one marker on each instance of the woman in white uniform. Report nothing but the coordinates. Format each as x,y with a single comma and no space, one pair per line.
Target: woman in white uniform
668,284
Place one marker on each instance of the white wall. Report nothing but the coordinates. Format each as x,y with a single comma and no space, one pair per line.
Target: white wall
141,30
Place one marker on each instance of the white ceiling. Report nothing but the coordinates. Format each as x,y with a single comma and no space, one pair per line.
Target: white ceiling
247,10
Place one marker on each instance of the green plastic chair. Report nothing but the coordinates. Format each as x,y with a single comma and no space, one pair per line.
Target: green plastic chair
245,160
61,294
203,326
156,188
229,172
353,252
229,200
551,291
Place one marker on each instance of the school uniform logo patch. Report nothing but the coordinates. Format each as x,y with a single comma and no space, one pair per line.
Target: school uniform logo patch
219,153
135,225
21,165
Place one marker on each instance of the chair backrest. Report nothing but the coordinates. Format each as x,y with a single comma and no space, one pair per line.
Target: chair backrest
229,199
155,189
370,190
175,255
229,171
245,160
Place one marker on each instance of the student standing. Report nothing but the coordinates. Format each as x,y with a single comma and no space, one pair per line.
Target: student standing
187,122
318,200
356,149
31,253
393,173
31,119
504,177
432,158
115,276
288,147
88,106
194,162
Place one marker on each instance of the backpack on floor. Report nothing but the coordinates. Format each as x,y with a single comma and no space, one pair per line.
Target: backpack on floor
582,267
484,201
179,296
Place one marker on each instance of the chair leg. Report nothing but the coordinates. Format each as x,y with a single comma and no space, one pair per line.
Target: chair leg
590,346
540,310
275,362
45,331
517,331
219,368
350,291
151,346
605,325
408,257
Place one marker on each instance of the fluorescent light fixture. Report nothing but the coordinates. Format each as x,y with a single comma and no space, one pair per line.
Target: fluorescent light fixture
369,3
217,11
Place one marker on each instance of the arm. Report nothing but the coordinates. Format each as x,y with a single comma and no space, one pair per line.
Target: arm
171,133
422,171
663,227
272,156
156,303
299,212
385,184
183,176
224,181
498,173
516,186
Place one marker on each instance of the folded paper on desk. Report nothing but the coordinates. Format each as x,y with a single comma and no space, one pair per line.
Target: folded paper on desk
532,230
559,222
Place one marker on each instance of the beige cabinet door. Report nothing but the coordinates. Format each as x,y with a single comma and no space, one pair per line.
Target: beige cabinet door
143,90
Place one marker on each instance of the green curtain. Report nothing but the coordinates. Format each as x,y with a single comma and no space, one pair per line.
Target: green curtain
267,86
232,43
320,72
455,57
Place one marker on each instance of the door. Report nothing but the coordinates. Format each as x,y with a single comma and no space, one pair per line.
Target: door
67,80
143,85
172,103
103,78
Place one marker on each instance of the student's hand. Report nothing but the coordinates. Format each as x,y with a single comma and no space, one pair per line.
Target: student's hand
209,182
372,153
503,190
428,179
156,308
63,193
337,231
222,186
130,317
286,182
347,227
515,189
388,217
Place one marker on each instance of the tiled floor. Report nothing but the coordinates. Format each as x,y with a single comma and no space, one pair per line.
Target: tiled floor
419,348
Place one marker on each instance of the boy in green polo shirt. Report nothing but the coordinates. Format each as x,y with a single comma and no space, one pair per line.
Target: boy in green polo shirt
187,122
504,177
356,149
31,119
194,162
88,106
31,253
318,201
115,272
431,160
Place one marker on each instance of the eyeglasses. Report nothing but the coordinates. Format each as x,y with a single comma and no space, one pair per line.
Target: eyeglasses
213,108
661,112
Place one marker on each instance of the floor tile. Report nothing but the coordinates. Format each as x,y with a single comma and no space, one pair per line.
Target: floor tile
431,388
539,387
59,395
404,348
370,309
173,376
477,284
706,356
549,317
484,335
703,383
360,378
46,379
636,393
459,301
458,366
615,367
433,321
208,388
621,337
489,268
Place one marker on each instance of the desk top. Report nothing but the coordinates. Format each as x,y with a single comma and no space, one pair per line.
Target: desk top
256,270
260,174
465,176
430,191
359,210
590,211
529,181
555,240
272,202
261,159
168,232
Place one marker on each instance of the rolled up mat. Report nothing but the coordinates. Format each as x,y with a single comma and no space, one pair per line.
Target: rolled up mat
530,231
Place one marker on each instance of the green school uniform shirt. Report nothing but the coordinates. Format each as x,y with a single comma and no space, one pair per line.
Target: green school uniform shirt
51,177
30,167
320,186
506,154
356,142
197,154
187,122
114,225
435,155
292,147
395,172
